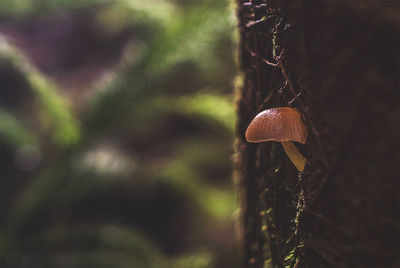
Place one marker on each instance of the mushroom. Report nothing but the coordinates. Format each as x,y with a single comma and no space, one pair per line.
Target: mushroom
283,124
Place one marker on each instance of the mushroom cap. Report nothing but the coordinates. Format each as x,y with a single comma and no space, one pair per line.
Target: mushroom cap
277,124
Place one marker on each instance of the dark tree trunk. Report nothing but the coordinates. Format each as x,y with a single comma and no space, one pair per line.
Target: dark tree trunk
341,60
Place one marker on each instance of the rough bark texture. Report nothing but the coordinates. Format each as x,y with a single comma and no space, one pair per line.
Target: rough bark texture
341,60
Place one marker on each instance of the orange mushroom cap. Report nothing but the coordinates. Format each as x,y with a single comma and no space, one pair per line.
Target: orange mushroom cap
277,124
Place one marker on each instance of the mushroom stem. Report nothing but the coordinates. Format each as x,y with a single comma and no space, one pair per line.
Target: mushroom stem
294,155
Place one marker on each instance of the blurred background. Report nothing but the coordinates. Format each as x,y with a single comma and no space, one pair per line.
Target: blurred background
116,132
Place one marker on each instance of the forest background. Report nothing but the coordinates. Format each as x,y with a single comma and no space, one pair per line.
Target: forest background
116,133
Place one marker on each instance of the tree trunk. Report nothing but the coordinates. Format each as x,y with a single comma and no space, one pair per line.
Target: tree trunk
337,63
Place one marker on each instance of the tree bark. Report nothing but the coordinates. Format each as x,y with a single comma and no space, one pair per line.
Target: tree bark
337,62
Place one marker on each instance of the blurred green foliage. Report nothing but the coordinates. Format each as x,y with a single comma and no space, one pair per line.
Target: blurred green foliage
138,172
12,132
52,107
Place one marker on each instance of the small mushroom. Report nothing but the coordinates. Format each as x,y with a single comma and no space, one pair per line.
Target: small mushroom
283,124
